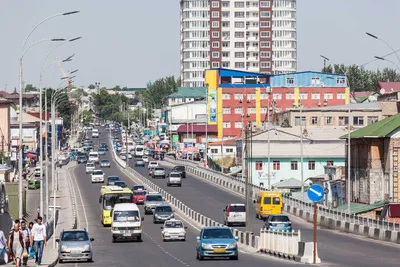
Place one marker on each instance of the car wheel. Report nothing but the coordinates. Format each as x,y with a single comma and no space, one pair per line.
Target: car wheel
60,261
90,260
167,184
235,258
113,239
139,239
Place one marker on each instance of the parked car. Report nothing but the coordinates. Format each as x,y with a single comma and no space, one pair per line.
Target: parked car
278,222
173,230
235,214
217,241
181,170
75,245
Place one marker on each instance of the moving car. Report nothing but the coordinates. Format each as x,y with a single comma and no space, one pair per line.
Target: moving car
97,176
151,200
181,170
104,145
158,172
153,164
139,162
145,159
105,163
89,167
121,184
112,179
38,171
101,151
94,157
138,187
81,159
162,213
138,196
173,230
278,222
235,214
174,178
217,241
126,222
75,245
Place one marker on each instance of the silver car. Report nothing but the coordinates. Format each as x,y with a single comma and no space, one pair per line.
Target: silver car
158,172
75,245
151,201
163,213
105,163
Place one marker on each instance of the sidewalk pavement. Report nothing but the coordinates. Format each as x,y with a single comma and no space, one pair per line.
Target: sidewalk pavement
65,219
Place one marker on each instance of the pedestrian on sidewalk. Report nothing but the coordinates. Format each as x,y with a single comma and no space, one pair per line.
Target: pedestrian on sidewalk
27,236
38,239
17,244
3,248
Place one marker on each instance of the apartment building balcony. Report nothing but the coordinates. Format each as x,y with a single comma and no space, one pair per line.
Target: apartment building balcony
252,38
252,58
252,48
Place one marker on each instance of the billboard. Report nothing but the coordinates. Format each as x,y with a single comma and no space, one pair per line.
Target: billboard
212,106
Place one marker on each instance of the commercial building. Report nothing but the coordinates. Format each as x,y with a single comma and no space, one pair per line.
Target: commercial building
185,95
236,98
252,35
5,121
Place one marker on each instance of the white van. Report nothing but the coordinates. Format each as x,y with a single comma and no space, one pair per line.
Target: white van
235,214
126,222
139,151
94,157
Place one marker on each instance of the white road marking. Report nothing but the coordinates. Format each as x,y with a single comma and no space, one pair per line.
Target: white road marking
82,202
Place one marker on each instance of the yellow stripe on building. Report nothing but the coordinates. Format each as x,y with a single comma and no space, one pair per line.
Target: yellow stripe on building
347,95
296,96
258,107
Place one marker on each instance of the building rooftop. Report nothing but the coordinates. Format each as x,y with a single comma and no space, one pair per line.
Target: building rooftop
291,183
184,128
238,73
230,142
189,92
388,87
310,71
359,208
4,100
293,133
379,129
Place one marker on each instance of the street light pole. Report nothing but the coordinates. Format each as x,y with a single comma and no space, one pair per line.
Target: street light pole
301,151
383,41
388,60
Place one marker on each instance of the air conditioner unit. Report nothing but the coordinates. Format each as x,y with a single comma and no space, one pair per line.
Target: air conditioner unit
325,102
319,103
268,89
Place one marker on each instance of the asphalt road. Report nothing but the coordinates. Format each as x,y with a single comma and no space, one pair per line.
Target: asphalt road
152,251
333,247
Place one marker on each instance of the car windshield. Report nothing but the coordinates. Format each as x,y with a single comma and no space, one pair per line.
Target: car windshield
90,165
234,208
159,169
113,178
173,224
75,236
179,168
153,163
154,198
98,173
120,183
140,193
104,161
82,157
126,216
111,199
139,149
138,187
163,209
217,233
280,219
175,175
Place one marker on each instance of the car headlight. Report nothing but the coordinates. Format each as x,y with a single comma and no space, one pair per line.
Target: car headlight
86,247
206,246
64,247
232,246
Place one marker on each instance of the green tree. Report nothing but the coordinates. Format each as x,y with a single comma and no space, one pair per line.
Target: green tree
87,117
159,89
92,87
30,88
361,79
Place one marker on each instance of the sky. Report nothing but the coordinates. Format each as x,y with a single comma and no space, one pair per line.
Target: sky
131,42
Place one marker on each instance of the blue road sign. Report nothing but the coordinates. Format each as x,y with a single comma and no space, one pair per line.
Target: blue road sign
316,193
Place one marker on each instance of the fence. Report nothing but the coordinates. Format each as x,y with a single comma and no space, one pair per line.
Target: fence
284,244
333,219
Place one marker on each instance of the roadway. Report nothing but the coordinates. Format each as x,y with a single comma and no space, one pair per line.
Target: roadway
152,251
333,247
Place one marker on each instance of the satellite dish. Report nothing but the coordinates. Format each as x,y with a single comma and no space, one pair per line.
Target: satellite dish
382,91
391,90
371,98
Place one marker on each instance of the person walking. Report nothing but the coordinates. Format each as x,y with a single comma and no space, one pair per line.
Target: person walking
27,235
17,244
3,247
38,239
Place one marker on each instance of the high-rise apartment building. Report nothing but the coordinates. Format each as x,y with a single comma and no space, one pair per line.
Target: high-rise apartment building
252,35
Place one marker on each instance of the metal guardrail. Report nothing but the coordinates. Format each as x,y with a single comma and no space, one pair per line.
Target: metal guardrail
238,185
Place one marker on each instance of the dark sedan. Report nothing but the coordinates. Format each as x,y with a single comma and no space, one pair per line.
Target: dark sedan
181,170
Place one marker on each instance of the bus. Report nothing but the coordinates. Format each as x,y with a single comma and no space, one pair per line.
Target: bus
109,196
267,203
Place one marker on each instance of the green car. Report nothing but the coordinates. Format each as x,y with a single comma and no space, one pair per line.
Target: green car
34,184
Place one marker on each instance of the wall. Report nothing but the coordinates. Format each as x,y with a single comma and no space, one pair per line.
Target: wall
5,124
285,172
29,136
187,112
218,154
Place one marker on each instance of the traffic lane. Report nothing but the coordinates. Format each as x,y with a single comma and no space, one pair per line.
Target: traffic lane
332,247
105,252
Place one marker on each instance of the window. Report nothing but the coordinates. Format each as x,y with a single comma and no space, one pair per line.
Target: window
330,163
239,34
215,4
226,110
238,96
226,96
239,24
293,165
265,64
251,96
238,124
239,14
297,121
214,150
215,24
225,3
225,14
265,34
225,24
265,54
276,165
289,96
239,54
328,120
265,14
343,121
215,44
265,4
239,44
277,96
314,120
265,24
239,65
372,119
215,14
215,65
290,81
239,4
341,96
239,110
328,96
251,110
303,96
341,81
225,54
311,165
358,120
315,96
226,124
225,44
265,44
215,54
229,150
259,166
315,81
215,34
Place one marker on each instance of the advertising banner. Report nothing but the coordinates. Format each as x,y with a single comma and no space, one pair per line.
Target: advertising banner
212,106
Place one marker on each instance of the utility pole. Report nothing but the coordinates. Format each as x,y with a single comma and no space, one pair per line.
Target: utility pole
269,147
301,151
248,195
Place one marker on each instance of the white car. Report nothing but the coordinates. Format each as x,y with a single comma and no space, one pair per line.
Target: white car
89,167
94,157
37,172
153,164
235,214
173,230
97,176
145,159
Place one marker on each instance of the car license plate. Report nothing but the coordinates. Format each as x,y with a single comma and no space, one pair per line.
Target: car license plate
281,224
219,250
127,234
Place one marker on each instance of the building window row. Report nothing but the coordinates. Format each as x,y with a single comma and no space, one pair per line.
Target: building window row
330,120
294,165
317,81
